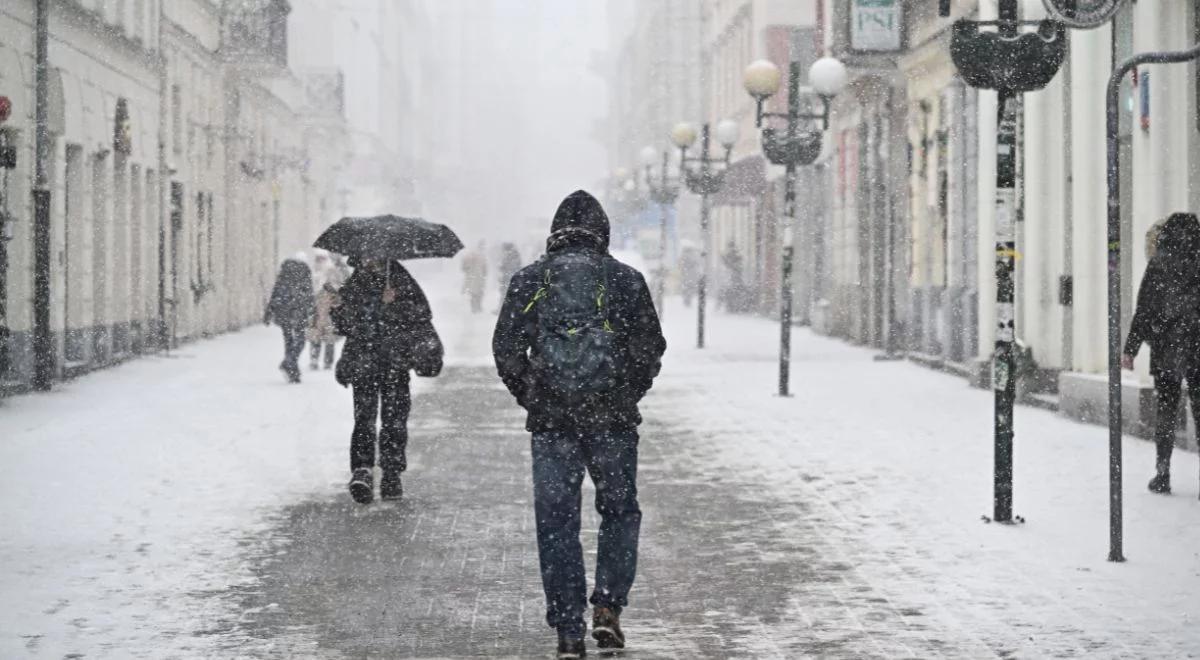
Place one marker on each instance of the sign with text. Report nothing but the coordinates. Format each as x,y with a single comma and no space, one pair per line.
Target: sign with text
876,25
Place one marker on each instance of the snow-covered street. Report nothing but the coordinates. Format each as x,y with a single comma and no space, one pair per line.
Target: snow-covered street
194,506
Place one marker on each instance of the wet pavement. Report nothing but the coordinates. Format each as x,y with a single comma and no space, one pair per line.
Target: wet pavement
451,570
195,507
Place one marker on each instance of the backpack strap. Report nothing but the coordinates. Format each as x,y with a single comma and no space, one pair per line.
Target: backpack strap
540,293
602,294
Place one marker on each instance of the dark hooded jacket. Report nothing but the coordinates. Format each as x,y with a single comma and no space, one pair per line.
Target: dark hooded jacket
1168,301
580,225
292,302
382,337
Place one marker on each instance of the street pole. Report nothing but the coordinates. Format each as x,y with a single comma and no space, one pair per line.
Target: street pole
789,219
1011,63
43,348
1004,381
705,237
1115,421
1004,376
662,248
702,289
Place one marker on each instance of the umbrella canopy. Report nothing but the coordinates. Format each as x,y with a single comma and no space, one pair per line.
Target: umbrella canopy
389,237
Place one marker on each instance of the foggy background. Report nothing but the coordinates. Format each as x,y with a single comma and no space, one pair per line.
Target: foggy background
489,110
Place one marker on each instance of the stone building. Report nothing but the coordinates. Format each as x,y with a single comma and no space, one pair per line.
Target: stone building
183,167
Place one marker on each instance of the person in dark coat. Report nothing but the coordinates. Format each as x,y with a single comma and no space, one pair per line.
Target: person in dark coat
1168,319
510,263
291,308
385,317
598,434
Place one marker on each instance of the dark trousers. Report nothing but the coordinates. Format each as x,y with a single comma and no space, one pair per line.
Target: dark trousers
293,343
387,398
1168,390
559,460
315,352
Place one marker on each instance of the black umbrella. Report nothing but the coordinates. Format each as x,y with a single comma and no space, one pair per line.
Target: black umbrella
389,237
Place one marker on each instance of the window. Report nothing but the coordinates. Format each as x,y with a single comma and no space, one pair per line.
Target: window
176,119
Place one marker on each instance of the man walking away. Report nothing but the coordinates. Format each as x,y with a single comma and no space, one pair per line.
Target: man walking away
578,344
1168,318
291,307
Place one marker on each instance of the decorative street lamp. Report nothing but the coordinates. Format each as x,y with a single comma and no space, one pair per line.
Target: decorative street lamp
706,179
664,193
800,144
1010,62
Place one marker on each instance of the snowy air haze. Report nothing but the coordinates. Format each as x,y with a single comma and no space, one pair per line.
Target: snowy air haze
495,104
345,329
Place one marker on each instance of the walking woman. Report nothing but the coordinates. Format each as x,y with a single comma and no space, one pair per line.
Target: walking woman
291,307
1168,319
385,317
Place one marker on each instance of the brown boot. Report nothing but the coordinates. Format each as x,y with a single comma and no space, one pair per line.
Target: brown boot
606,629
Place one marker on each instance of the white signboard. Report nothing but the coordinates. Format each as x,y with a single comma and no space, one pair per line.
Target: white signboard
876,25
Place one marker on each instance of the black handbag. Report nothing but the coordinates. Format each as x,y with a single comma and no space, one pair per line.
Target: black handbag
427,353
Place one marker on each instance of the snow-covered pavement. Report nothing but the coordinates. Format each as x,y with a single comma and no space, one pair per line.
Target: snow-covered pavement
893,463
165,507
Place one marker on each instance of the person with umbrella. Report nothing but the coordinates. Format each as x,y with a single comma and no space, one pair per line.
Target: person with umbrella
291,307
388,325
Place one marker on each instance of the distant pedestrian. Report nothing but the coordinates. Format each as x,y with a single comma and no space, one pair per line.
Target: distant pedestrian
327,279
690,273
475,268
291,308
1168,319
578,344
510,263
735,295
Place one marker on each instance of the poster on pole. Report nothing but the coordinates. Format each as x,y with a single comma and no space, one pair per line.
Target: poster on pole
876,26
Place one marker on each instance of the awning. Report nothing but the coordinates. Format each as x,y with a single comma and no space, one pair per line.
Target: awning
745,180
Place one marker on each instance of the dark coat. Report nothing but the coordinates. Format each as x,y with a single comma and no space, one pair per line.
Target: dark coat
292,303
581,225
510,263
385,337
1168,301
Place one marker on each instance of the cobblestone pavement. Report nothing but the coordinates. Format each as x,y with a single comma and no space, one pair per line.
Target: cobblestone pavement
452,569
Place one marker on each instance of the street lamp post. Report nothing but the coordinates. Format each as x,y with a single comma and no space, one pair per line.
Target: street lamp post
43,343
706,179
1009,62
794,148
664,194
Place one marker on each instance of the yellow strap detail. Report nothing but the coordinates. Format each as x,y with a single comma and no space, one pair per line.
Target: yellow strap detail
541,293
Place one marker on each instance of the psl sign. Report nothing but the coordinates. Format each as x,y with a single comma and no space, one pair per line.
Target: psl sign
876,25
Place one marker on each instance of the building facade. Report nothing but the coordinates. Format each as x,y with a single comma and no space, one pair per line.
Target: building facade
941,219
182,169
747,211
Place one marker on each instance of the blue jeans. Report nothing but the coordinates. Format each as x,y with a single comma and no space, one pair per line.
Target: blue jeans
559,460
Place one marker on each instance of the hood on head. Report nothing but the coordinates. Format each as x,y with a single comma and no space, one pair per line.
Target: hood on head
1179,240
580,219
